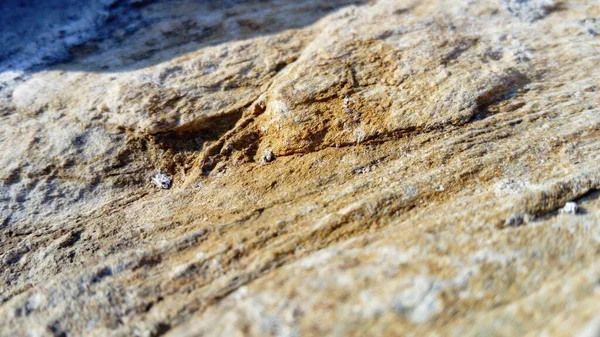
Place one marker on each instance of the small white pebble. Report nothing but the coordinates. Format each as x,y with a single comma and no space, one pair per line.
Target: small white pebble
162,180
267,156
570,208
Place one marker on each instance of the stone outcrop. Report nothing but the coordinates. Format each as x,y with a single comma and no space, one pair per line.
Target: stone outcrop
300,168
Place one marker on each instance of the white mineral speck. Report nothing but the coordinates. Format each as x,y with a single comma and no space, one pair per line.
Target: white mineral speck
570,208
162,180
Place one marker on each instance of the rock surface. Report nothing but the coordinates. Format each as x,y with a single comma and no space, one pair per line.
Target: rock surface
342,168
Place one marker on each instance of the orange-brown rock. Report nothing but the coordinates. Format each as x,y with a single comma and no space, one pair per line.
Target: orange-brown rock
302,168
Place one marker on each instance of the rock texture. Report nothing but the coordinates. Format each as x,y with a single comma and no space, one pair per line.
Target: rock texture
341,168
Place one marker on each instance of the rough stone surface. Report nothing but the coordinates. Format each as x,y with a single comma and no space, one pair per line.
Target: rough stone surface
342,168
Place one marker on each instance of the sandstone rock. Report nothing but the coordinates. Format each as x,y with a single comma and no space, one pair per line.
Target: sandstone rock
424,151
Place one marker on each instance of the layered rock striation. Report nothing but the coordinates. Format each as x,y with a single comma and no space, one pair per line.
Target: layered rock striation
300,168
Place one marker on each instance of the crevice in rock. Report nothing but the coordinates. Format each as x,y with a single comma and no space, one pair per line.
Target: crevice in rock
172,152
190,139
461,47
506,88
232,140
546,203
591,196
208,142
160,329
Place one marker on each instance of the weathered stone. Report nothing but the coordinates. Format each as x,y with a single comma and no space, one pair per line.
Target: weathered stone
424,152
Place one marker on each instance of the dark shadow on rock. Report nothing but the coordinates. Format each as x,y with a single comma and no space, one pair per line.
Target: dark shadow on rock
122,35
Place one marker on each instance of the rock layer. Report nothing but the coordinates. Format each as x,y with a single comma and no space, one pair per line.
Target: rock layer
339,168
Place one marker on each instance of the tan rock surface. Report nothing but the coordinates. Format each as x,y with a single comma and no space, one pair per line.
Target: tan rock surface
342,168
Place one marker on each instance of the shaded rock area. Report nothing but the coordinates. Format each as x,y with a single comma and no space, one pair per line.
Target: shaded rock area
300,168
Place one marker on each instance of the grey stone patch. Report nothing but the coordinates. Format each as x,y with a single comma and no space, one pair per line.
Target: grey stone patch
43,32
530,10
518,219
591,26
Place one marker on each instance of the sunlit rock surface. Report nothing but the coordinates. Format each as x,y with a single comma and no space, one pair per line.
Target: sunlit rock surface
342,168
